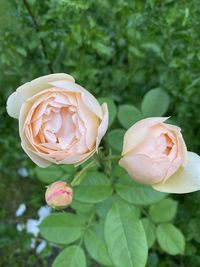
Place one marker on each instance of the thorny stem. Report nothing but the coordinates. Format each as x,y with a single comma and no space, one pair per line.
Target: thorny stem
114,157
80,175
37,29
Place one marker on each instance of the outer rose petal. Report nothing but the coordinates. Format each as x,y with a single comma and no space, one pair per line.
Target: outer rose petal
44,161
77,159
35,158
144,169
88,98
103,125
91,123
24,111
138,131
184,151
185,180
29,89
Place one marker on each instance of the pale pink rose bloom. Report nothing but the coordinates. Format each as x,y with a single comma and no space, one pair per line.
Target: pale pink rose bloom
59,121
58,194
155,153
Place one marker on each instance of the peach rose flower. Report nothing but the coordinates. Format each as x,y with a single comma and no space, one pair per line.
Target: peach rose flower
59,121
58,194
155,153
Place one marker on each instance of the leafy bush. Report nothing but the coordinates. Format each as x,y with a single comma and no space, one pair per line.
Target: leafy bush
120,51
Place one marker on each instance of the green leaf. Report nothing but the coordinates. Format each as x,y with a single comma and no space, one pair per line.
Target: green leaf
136,193
72,256
62,228
190,249
150,230
103,207
153,260
84,217
125,238
118,171
126,207
67,168
170,239
95,244
48,175
94,188
7,11
128,115
192,228
103,49
112,109
155,103
163,211
115,139
53,173
80,206
153,47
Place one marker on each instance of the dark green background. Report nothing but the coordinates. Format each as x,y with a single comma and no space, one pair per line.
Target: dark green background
120,48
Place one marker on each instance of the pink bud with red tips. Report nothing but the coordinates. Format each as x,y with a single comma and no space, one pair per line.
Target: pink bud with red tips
59,195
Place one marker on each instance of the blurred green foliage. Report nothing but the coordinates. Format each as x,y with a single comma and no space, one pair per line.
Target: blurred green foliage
121,49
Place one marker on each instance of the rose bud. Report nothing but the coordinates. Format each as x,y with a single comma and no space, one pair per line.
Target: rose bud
59,195
155,153
59,121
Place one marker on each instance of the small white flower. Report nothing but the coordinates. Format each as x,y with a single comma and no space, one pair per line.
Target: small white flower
41,246
20,227
33,243
20,210
23,172
43,212
32,227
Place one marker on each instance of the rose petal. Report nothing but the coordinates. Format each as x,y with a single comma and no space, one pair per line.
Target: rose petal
181,144
29,89
103,125
54,124
36,126
185,180
88,98
183,150
76,159
50,137
172,127
62,99
91,123
152,171
147,147
35,158
135,135
174,166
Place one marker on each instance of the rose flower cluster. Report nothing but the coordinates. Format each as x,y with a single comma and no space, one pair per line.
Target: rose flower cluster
61,122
